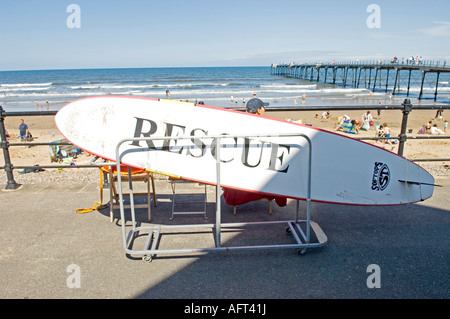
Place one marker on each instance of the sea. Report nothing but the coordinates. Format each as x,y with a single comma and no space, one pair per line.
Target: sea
229,87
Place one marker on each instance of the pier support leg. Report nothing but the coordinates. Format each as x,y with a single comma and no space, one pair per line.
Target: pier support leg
387,80
359,78
421,85
436,89
375,80
397,76
409,83
344,80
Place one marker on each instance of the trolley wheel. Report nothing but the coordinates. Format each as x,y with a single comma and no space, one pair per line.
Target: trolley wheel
147,259
301,252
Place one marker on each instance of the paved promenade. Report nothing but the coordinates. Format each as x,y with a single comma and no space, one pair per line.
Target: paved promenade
50,251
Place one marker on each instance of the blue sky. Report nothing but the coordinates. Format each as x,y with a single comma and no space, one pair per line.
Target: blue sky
190,33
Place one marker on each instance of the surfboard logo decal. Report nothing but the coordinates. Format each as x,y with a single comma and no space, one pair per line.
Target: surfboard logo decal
381,176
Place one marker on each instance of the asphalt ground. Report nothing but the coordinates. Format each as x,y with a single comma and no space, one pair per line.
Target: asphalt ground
50,251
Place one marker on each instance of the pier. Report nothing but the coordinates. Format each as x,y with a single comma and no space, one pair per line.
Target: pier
383,76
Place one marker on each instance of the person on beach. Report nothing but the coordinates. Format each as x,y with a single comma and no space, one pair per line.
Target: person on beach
23,131
326,115
168,94
422,130
387,133
428,127
380,132
435,131
445,126
256,106
344,119
439,114
367,117
355,126
7,136
367,120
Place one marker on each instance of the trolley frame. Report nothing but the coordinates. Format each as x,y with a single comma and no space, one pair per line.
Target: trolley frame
300,229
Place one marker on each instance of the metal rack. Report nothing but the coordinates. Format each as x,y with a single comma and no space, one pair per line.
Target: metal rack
300,229
194,202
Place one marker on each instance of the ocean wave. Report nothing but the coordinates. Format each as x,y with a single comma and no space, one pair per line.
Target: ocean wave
289,86
427,89
22,85
144,90
146,86
209,92
108,86
53,95
342,90
21,89
192,85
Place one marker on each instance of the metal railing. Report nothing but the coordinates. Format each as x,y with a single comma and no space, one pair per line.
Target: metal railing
406,107
392,62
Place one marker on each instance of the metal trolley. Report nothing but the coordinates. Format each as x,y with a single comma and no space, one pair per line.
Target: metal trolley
300,229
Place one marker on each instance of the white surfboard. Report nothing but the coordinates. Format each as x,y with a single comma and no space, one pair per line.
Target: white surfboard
344,170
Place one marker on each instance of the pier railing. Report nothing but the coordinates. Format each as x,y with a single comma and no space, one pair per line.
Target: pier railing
406,107
385,63
381,76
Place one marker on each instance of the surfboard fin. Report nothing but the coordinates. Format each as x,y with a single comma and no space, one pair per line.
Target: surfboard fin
419,183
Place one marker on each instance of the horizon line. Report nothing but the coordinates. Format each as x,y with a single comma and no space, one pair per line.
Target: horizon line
146,67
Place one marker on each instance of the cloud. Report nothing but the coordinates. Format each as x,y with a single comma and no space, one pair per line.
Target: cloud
440,29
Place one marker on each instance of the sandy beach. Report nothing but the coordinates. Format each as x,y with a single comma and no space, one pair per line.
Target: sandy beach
44,130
